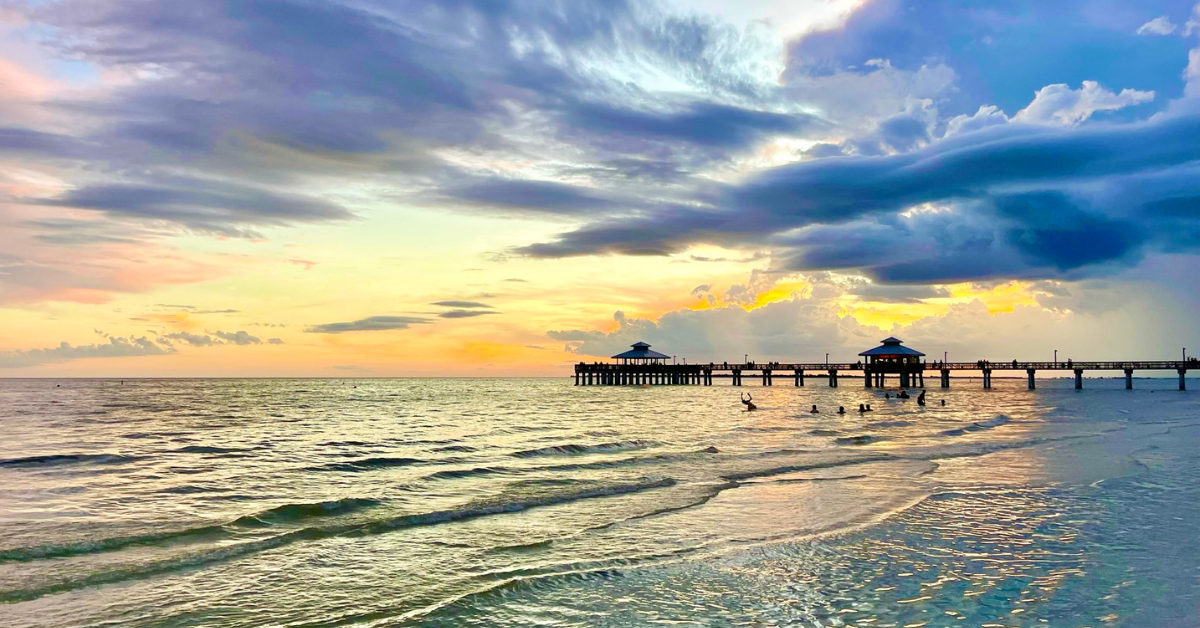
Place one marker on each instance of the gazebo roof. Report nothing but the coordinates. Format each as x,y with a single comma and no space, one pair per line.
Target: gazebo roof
891,346
641,350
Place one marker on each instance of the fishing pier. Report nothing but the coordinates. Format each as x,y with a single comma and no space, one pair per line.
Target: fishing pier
642,366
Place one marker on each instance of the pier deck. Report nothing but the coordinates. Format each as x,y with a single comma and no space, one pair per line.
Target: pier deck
909,375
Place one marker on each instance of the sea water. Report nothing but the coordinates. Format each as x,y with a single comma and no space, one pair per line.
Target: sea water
522,502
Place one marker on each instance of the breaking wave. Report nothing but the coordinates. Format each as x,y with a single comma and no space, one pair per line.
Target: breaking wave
573,449
62,459
367,464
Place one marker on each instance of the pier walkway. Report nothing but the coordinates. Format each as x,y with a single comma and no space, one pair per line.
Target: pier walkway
909,375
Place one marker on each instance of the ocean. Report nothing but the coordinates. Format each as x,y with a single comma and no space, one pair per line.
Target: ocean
532,502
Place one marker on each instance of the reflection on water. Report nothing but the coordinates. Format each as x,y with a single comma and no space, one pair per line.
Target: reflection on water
493,502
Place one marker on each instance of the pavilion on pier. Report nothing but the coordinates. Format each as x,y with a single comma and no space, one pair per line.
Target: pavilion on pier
641,354
893,357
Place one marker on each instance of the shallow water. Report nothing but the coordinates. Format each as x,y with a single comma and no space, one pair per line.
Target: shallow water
519,502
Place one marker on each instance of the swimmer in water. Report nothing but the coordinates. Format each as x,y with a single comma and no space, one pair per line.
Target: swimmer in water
943,402
841,409
921,398
814,410
862,408
746,400
869,408
903,394
887,395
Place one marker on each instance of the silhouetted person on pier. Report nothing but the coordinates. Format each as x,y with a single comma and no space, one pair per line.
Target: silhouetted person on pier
921,398
841,409
1069,362
813,411
746,400
1014,364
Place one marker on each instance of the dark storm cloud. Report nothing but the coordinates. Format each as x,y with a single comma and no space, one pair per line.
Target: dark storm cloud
704,124
371,323
1046,233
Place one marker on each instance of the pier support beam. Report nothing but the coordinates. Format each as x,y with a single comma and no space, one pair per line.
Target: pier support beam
1032,383
737,377
987,378
833,378
867,374
1078,379
800,377
1182,379
945,378
1128,379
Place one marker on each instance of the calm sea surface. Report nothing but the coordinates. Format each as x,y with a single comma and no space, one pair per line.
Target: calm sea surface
463,502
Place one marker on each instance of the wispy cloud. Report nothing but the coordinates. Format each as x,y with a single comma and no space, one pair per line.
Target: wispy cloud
371,323
466,313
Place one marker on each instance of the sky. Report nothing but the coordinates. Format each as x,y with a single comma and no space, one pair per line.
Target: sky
366,188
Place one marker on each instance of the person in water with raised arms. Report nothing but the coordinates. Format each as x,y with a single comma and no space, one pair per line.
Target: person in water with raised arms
746,400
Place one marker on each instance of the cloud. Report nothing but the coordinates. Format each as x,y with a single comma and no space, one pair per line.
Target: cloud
275,341
237,338
196,340
204,206
465,313
371,323
1059,104
1158,26
114,348
462,304
215,338
546,196
897,294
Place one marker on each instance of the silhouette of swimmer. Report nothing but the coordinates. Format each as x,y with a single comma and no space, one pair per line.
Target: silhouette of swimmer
814,410
903,394
841,409
921,398
746,400
862,408
869,408
887,395
943,402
